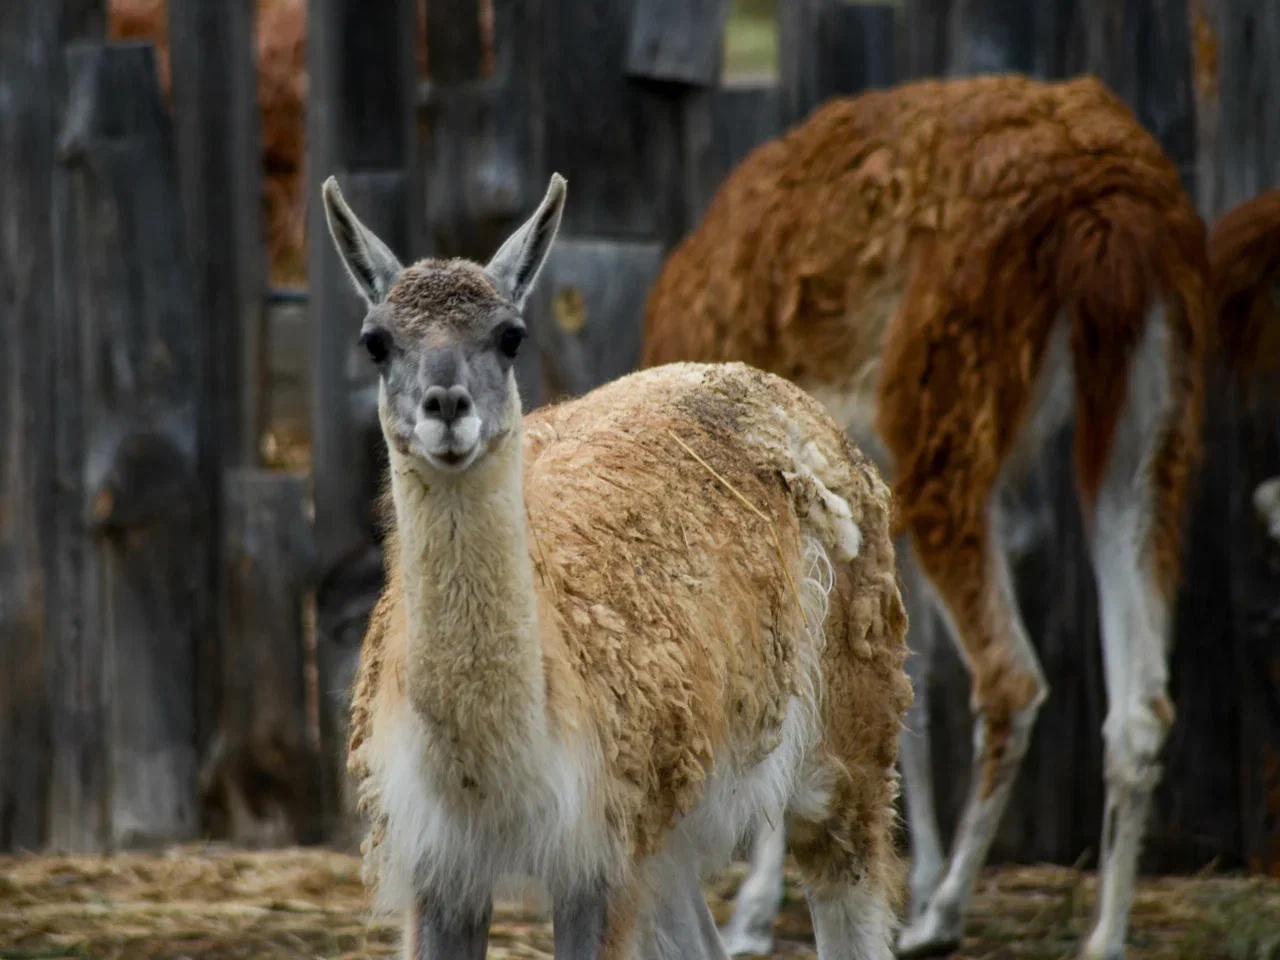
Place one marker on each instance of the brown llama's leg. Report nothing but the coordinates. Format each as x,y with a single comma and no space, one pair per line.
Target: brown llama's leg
597,922
1134,523
971,574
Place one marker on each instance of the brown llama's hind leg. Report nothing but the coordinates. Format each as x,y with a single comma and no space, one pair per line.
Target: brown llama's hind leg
1134,520
970,572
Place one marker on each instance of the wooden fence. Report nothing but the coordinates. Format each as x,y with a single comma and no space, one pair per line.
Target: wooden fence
177,633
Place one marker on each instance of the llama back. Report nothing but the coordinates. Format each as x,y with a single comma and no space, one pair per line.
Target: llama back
905,255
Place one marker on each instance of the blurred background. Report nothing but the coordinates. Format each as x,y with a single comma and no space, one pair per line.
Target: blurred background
189,449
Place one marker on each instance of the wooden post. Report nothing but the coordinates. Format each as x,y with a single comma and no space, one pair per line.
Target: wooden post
926,26
216,119
830,48
678,41
263,775
134,404
629,185
361,121
990,36
39,659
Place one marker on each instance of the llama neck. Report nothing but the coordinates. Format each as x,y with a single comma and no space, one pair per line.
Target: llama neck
474,666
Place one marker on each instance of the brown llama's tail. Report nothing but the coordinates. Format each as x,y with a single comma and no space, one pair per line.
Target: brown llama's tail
1244,261
1125,255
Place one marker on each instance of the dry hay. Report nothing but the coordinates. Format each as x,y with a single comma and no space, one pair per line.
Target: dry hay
207,902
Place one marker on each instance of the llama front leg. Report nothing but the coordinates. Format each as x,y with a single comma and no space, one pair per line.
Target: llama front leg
595,922
750,929
436,933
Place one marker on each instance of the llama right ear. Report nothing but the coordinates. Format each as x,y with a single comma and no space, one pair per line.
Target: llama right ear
372,266
516,264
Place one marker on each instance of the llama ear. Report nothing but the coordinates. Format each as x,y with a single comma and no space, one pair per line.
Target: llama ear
372,266
515,266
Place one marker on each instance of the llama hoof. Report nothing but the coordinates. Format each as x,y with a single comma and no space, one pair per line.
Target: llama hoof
929,936
746,943
922,887
1097,948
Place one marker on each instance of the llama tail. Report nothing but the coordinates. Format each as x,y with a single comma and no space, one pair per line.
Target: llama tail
1129,260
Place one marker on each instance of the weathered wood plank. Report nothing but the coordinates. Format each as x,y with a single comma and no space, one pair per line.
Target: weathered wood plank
143,552
990,36
32,304
263,777
829,48
678,41
721,127
216,119
926,29
629,184
361,118
587,319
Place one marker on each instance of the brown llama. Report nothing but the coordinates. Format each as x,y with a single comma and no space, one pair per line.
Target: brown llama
1244,258
955,268
614,632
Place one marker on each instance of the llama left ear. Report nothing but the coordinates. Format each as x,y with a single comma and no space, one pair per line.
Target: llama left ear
515,266
372,266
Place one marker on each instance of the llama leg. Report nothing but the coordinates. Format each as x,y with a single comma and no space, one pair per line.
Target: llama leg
750,929
432,933
915,756
852,921
595,923
1009,687
681,926
1133,518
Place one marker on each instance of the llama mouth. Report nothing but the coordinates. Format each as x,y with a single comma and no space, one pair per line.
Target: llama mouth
452,461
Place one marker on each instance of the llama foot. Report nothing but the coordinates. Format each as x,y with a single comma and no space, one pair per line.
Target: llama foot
936,932
740,940
1100,947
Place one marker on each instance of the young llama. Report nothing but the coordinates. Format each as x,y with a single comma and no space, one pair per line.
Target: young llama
614,633
954,268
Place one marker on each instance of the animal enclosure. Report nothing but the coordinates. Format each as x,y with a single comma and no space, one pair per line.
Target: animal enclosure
190,455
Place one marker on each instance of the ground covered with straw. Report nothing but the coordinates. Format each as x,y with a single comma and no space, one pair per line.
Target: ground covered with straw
204,903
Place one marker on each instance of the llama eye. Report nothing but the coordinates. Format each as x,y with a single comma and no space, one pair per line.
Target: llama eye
509,341
377,344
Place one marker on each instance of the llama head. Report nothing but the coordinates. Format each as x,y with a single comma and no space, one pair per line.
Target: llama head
444,334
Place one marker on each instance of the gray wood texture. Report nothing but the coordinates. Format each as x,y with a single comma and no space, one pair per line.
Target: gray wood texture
35,654
617,142
128,690
830,48
589,310
677,41
216,121
361,122
722,126
262,785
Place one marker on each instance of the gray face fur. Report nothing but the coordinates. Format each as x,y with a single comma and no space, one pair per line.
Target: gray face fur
444,333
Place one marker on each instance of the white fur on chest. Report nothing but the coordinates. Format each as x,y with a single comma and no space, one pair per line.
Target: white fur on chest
540,820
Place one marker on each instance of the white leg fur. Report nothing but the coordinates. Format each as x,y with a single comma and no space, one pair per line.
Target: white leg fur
852,924
750,929
939,928
915,755
1135,627
679,925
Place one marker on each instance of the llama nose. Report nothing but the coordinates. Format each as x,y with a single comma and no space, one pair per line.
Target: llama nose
447,404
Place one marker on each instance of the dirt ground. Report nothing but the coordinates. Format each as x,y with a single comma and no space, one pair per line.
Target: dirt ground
204,903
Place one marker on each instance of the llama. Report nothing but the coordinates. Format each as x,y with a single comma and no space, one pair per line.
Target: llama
954,268
1244,259
614,632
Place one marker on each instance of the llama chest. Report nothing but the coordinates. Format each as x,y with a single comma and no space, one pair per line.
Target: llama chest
537,817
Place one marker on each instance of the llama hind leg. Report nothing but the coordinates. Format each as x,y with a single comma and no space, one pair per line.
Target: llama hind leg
596,922
1009,687
1133,526
680,925
750,929
915,755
